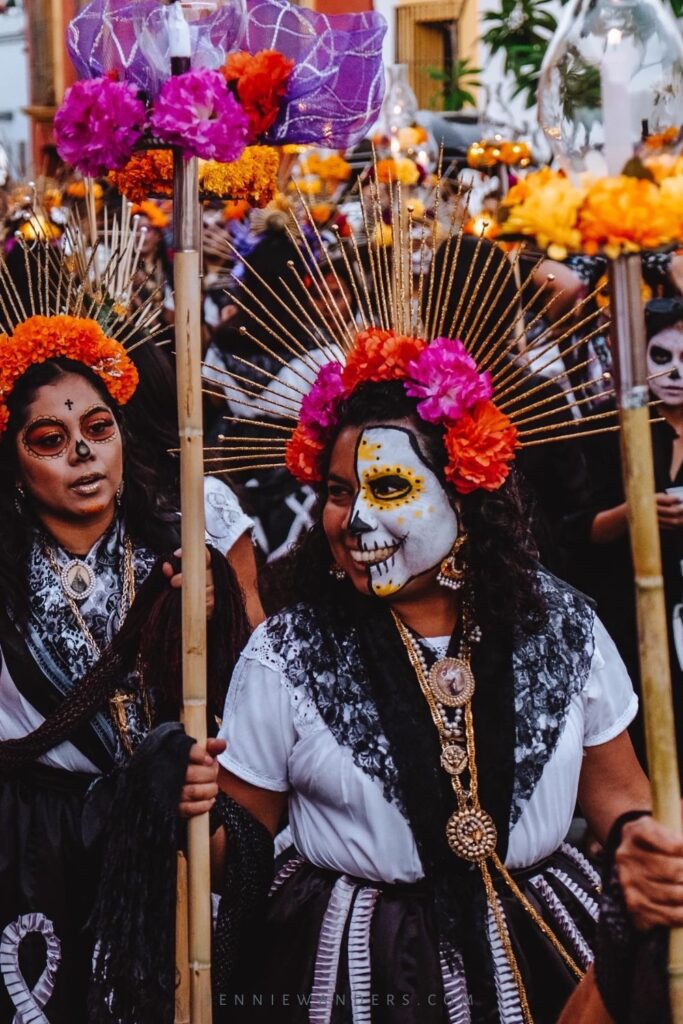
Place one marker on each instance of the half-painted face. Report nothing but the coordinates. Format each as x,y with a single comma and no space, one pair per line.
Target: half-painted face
665,359
387,518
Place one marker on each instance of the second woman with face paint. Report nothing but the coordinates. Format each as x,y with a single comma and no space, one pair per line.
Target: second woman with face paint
604,569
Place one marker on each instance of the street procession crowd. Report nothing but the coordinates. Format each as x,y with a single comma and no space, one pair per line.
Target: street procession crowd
426,772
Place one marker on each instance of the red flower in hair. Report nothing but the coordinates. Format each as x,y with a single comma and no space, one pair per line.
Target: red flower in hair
379,355
302,457
480,446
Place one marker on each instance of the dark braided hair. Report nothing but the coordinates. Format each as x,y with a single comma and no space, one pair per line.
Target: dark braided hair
150,638
500,550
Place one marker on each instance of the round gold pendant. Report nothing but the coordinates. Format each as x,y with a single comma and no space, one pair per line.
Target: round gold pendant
453,759
451,681
471,834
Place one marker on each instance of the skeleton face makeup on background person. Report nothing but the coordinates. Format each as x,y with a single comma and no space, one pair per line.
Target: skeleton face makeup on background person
69,452
387,518
665,360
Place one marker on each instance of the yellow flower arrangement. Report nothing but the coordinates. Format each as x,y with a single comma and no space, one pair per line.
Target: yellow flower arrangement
623,214
402,170
253,177
50,337
544,206
611,215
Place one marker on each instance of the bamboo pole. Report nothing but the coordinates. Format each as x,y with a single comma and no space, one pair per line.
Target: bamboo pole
187,280
629,352
182,953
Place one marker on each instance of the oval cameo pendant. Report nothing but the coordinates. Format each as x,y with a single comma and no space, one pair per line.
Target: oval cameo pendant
451,681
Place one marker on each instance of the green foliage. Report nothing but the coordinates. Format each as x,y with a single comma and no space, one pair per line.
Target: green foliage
455,84
521,29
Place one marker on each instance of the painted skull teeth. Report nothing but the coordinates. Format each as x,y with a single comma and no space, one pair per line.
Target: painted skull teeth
376,556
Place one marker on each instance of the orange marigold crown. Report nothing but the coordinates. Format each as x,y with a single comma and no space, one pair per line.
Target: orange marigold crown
50,337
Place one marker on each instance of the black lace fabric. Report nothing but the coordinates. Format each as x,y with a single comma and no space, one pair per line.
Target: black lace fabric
320,652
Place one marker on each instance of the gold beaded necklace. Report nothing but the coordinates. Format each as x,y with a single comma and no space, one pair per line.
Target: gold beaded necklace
448,688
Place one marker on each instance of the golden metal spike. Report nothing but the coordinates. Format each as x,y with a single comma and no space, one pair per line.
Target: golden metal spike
552,412
252,469
333,270
286,385
298,351
571,437
373,258
493,250
455,322
323,344
444,296
321,285
505,267
265,403
255,423
552,427
489,358
351,274
545,383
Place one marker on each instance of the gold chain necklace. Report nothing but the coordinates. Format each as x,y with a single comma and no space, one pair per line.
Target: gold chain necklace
470,831
118,700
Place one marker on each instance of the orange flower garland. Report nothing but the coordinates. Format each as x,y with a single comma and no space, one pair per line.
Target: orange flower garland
145,174
379,355
622,213
50,337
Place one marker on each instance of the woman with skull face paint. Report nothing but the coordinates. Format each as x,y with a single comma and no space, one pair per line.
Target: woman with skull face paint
605,568
427,713
82,529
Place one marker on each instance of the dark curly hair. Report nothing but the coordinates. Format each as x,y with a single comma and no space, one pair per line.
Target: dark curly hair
500,549
150,521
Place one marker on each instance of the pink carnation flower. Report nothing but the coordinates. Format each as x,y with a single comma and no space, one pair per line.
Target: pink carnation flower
319,406
197,112
98,125
445,377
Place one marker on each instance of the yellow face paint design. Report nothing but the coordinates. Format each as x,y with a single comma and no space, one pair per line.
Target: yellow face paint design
401,515
385,485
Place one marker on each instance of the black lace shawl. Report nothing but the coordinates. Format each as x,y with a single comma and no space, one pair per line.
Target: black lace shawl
350,660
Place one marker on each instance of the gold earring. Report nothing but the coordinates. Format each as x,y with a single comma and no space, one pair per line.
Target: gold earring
453,570
337,573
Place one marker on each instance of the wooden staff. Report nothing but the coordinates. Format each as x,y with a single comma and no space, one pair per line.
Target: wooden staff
629,353
187,281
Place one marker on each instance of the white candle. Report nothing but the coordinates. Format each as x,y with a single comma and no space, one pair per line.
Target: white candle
178,32
616,69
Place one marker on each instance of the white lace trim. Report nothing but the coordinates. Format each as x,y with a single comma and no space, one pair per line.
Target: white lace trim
260,649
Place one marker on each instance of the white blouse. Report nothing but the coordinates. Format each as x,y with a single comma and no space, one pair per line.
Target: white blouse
339,816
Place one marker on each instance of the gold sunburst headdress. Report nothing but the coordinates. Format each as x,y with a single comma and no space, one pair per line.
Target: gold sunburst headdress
74,300
447,339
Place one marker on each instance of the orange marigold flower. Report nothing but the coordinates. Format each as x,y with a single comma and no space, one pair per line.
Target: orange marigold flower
379,355
146,174
303,455
48,337
624,214
480,447
236,209
260,82
252,177
403,170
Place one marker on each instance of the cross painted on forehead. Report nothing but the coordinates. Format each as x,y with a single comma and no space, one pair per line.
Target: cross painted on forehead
69,404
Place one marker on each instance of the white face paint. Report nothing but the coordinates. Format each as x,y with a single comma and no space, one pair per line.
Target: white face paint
402,518
665,358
